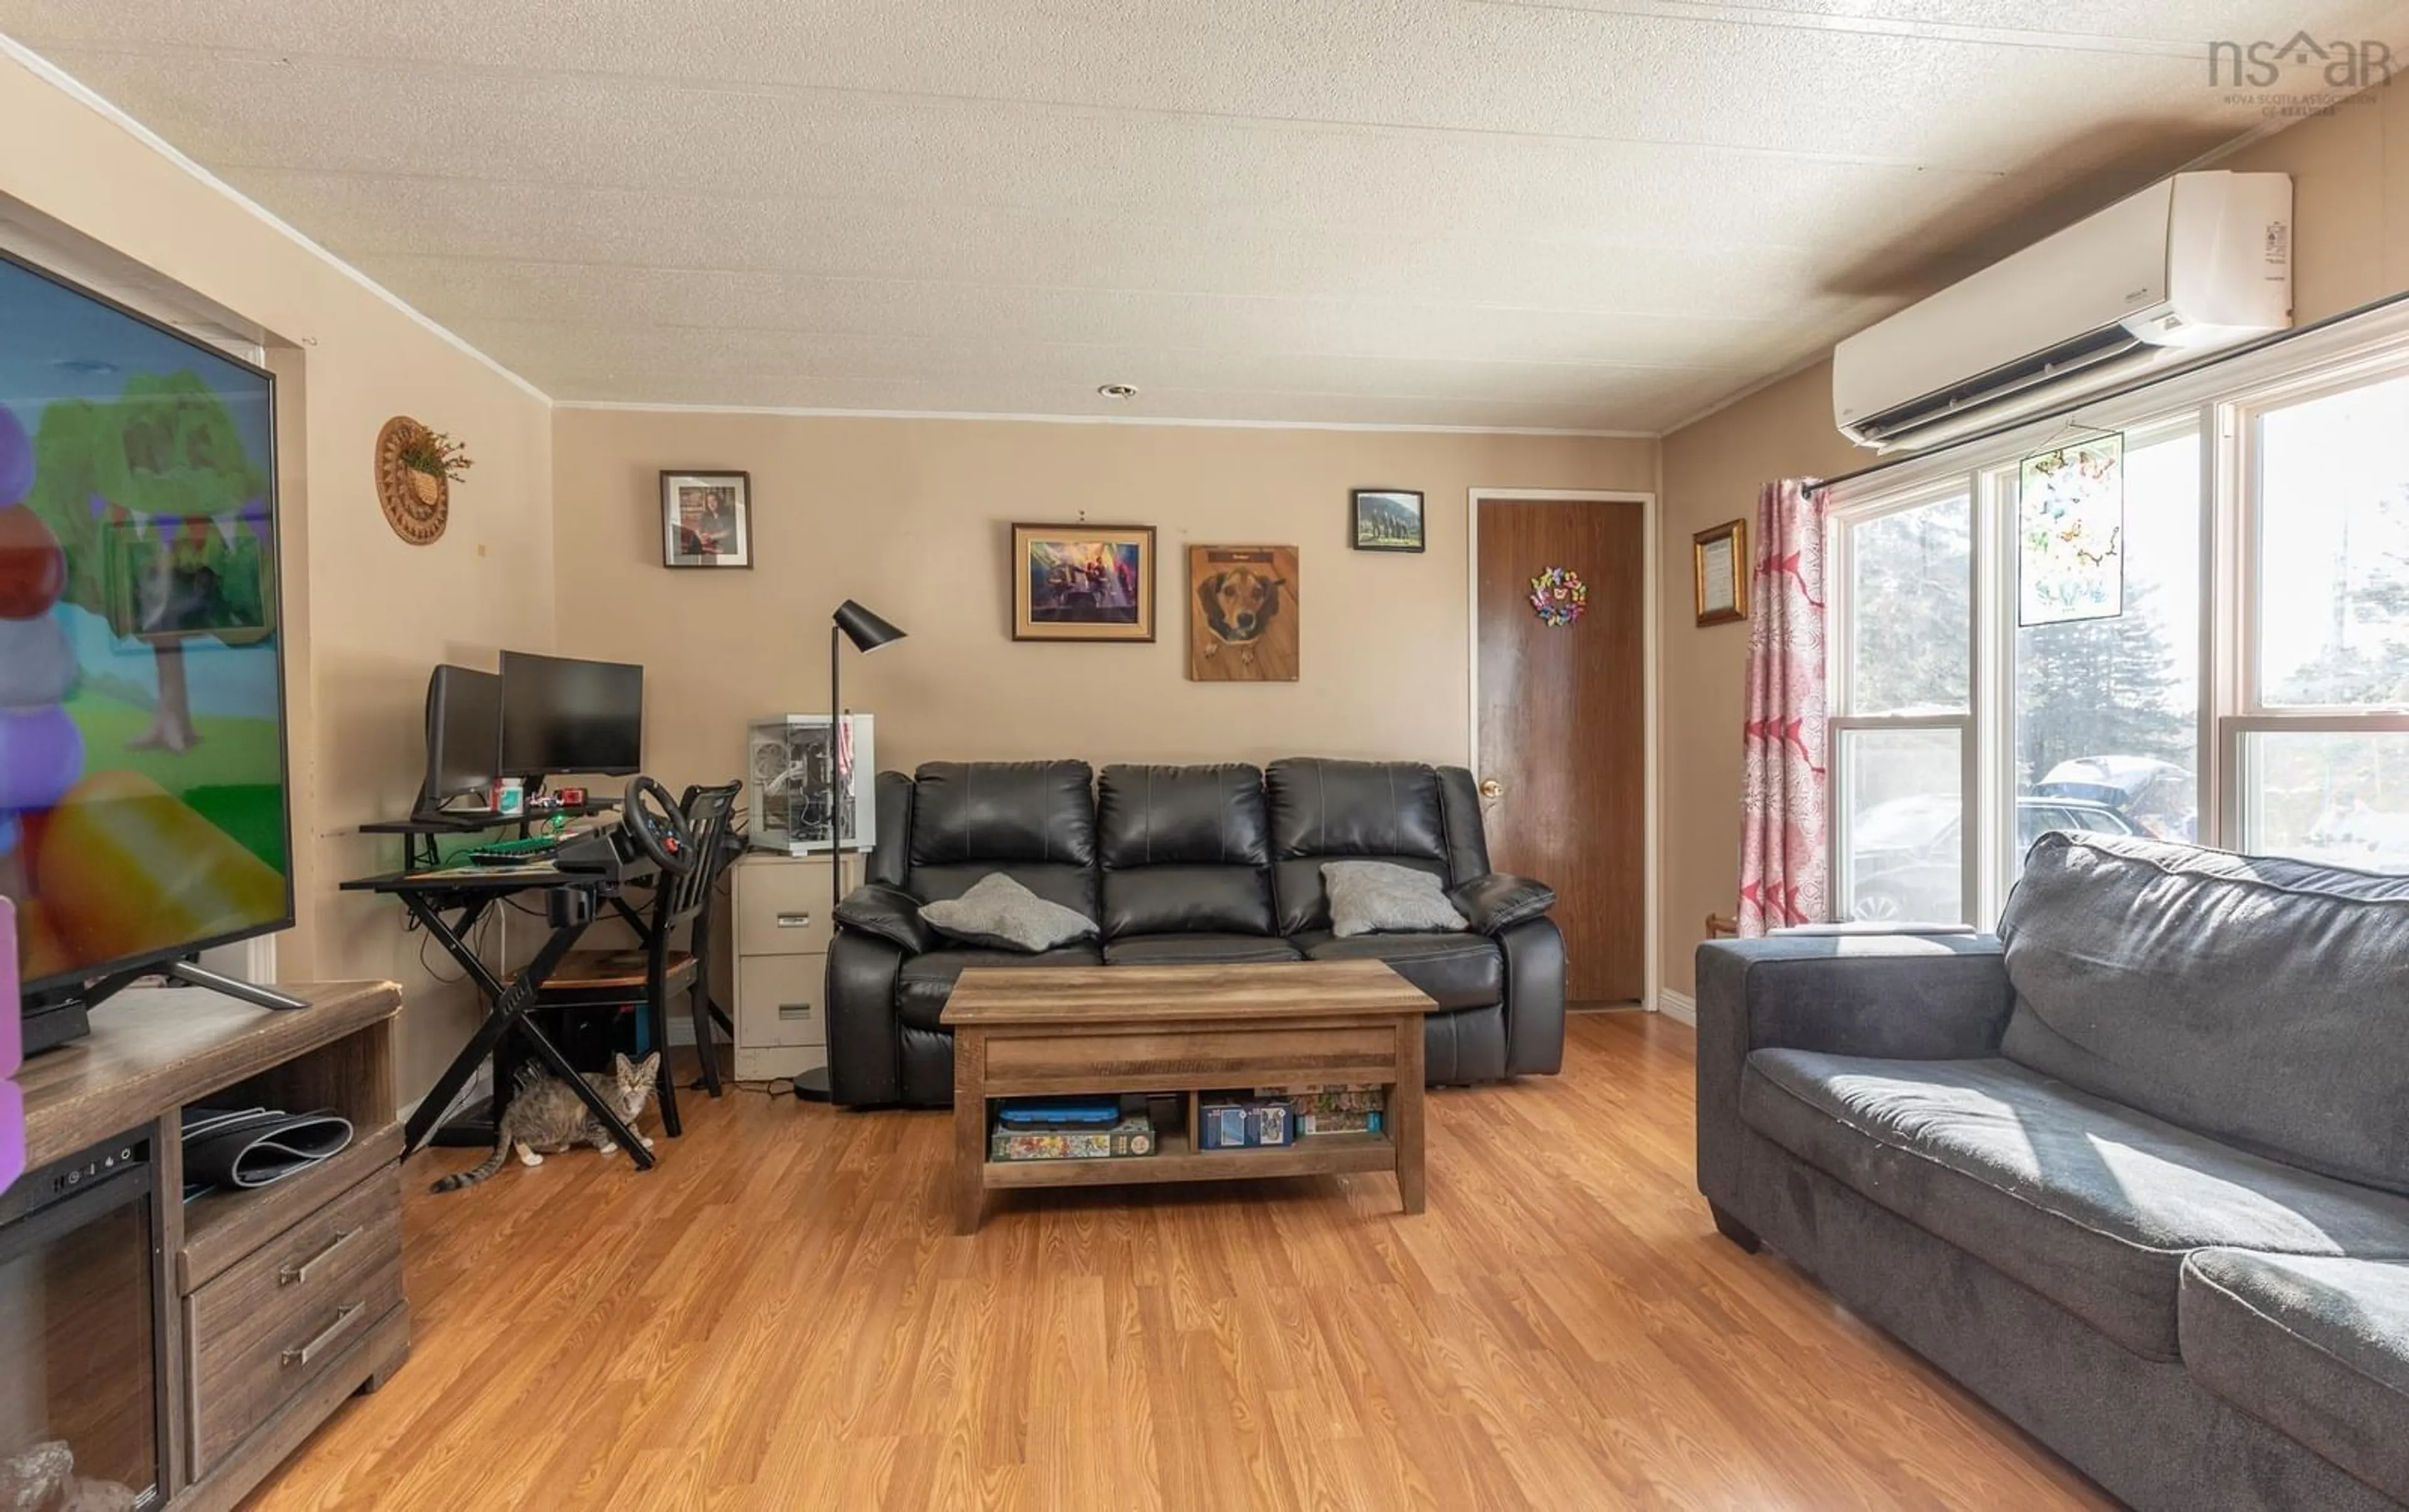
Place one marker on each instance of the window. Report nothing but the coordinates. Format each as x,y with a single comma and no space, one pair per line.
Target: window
2321,760
2108,711
2327,795
1911,582
2332,526
1902,806
1899,743
2251,691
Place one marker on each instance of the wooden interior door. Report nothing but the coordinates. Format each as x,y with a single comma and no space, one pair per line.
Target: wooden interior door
1562,736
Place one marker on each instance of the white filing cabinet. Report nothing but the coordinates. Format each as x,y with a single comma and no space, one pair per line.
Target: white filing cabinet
772,958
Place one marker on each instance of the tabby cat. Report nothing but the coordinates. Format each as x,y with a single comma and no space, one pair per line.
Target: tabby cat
544,1115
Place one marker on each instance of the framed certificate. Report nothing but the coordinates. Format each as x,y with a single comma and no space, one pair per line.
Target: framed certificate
1720,559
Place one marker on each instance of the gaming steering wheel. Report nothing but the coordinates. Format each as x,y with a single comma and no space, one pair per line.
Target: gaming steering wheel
657,827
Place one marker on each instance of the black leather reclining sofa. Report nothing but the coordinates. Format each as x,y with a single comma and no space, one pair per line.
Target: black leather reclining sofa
1203,865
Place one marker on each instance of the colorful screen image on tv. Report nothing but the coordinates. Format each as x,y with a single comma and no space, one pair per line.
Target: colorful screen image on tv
142,787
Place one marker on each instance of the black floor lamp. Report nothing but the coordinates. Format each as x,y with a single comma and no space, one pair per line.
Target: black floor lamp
867,632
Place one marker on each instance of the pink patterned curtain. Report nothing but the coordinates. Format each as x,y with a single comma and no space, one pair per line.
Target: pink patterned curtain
1781,848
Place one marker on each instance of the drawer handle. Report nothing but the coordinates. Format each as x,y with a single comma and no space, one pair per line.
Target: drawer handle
294,1274
794,1009
794,921
308,1352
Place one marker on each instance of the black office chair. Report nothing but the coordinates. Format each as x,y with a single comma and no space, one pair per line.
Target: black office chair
648,974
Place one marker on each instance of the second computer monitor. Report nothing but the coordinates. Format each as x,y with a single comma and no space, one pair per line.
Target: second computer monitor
562,716
464,735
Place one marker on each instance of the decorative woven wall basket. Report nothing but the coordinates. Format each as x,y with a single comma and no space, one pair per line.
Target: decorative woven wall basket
416,504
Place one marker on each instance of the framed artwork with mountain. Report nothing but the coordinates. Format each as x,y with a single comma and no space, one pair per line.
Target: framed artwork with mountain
1387,520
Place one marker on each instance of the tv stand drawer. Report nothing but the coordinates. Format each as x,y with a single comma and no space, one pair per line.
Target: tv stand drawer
267,1329
224,1227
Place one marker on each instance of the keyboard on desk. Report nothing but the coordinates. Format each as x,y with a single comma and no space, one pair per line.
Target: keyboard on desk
533,851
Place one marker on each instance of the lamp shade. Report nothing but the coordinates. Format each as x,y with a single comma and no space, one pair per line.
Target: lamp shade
866,630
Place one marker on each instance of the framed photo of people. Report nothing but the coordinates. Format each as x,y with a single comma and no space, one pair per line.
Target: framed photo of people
706,519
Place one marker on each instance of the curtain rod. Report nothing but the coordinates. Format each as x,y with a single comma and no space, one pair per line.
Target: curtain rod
2247,348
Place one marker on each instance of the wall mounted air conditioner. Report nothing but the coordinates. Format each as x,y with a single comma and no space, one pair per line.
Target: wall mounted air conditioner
2191,263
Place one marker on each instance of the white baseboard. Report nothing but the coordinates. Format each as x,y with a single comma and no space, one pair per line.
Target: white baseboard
1678,1006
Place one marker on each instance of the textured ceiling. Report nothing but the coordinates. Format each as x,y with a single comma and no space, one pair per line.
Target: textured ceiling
1598,214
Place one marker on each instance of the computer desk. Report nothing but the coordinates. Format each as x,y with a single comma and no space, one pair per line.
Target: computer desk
431,829
468,893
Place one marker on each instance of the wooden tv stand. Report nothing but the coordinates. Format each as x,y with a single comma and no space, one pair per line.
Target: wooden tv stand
269,1306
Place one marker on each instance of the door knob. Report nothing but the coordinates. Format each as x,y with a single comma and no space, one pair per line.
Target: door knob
1490,788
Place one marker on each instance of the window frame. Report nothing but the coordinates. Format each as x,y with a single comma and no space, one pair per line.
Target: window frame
1837,828
2244,413
2237,730
1839,579
2251,713
2221,401
2150,428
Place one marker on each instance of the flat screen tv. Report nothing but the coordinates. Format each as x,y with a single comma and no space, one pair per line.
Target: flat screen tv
142,765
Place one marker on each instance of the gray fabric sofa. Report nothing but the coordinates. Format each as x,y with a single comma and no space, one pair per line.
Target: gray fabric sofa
2136,1170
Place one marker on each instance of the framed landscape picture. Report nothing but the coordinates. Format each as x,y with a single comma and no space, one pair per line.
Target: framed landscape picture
1387,520
706,519
1083,583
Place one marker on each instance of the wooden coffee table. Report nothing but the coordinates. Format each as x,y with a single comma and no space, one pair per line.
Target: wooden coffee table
1164,1030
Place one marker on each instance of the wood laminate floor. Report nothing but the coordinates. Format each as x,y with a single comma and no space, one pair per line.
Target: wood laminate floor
780,1316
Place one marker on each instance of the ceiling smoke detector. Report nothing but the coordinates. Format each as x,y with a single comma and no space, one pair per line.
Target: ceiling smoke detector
1118,391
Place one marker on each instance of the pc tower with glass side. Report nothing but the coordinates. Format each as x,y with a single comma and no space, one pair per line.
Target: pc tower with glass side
814,782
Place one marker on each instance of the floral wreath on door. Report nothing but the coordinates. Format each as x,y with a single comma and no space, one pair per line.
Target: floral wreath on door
1558,595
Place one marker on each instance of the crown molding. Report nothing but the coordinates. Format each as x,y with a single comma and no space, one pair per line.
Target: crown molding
638,406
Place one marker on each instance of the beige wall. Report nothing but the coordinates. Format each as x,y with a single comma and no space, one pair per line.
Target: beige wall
370,615
2350,176
2350,201
912,517
1712,471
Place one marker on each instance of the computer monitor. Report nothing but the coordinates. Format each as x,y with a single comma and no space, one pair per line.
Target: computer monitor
562,716
464,735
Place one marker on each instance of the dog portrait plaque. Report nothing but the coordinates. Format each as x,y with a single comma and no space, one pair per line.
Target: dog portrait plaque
1242,624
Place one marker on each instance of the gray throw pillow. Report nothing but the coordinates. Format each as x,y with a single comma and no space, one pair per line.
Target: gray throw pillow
1382,898
1001,914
